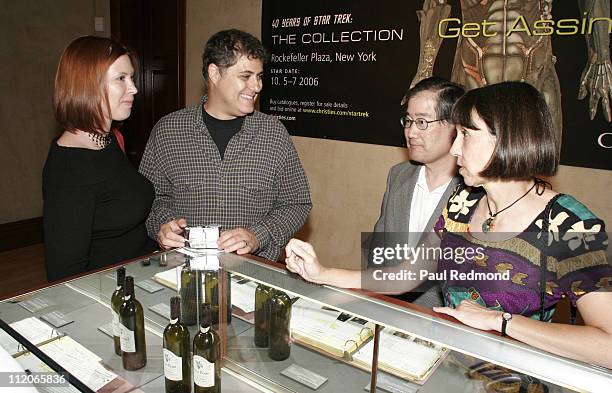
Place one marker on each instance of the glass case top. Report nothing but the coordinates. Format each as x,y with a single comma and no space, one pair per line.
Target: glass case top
79,311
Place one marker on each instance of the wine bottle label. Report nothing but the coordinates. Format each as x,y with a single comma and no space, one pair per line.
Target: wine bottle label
204,329
173,321
203,372
173,366
116,324
128,339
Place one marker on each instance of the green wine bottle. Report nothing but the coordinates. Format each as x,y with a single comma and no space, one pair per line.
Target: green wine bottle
116,300
206,351
211,289
177,351
133,346
189,295
262,315
280,322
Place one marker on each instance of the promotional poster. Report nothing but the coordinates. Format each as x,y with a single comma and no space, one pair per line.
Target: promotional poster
339,69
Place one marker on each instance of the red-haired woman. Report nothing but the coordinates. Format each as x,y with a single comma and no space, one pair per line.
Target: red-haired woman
95,202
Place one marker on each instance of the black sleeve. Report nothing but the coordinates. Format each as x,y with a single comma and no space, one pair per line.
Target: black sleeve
68,222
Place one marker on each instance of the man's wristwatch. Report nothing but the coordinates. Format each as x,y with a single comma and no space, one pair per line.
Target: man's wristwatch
505,318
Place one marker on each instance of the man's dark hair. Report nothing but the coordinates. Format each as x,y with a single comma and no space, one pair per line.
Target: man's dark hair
448,94
517,114
225,48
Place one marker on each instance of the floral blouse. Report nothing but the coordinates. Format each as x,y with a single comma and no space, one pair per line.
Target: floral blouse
576,257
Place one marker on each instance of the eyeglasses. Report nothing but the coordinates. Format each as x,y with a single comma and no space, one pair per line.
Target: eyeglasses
421,123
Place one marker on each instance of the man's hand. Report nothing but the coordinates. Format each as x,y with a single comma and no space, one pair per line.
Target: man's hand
169,234
240,240
302,259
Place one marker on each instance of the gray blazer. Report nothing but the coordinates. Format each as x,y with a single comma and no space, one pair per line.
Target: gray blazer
395,217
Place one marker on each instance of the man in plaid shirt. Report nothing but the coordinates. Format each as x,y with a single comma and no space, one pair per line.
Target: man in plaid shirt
222,162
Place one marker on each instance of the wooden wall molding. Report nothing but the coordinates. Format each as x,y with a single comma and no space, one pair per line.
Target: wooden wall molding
21,233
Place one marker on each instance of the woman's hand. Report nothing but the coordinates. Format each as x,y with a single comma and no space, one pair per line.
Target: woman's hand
474,315
302,259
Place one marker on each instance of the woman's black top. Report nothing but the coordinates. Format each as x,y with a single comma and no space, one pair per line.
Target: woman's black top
95,207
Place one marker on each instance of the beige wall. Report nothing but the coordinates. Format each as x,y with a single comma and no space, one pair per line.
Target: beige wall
206,17
34,33
347,180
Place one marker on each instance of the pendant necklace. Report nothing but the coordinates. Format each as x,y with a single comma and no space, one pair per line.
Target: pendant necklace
488,223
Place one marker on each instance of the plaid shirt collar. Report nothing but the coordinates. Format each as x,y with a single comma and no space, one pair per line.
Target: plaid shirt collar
249,126
239,142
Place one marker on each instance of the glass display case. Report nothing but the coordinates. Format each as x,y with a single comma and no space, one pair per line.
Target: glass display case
278,333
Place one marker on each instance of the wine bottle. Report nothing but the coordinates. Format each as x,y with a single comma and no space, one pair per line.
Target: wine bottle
189,292
211,289
206,362
262,315
280,322
116,300
133,346
177,351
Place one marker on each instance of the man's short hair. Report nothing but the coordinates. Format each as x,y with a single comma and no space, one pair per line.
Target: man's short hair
448,94
517,114
80,97
225,48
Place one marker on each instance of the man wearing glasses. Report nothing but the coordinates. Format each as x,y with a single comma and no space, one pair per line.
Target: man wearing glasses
417,190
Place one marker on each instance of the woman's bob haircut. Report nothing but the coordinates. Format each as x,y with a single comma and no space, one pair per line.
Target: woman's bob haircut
517,115
80,96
